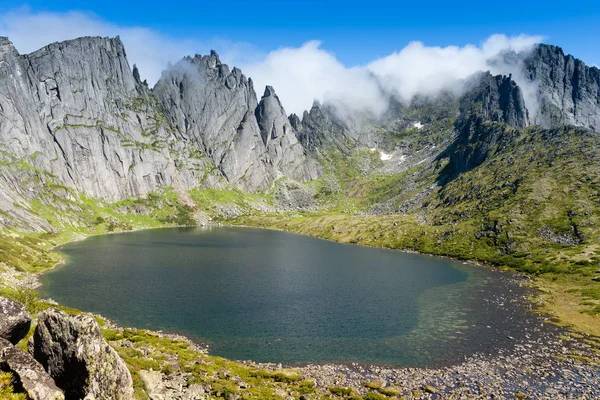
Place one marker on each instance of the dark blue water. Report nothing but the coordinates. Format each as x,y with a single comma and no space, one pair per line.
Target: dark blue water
272,296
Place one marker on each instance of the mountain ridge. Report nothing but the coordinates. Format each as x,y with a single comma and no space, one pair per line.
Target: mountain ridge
79,114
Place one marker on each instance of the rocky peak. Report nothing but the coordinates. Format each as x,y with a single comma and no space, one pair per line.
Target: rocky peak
271,116
495,98
85,46
322,126
6,48
208,64
217,109
295,122
70,100
569,90
269,91
136,74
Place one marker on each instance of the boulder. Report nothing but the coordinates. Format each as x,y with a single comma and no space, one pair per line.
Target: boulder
14,321
74,353
162,387
32,377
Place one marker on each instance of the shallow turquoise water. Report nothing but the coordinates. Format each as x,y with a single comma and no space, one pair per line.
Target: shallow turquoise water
272,296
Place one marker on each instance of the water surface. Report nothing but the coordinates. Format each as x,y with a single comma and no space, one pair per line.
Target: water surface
272,296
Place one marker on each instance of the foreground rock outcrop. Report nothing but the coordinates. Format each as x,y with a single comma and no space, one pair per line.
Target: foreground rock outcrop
30,374
14,321
73,352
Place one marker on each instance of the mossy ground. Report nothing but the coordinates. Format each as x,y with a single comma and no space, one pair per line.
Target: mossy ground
223,376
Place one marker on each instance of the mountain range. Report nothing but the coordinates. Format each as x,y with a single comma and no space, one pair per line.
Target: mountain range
78,112
80,130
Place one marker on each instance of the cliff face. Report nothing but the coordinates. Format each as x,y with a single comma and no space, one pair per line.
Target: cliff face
216,110
212,107
492,111
495,98
73,109
569,91
76,110
279,136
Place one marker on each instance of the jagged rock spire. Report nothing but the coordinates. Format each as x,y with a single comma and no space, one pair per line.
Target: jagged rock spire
136,74
271,116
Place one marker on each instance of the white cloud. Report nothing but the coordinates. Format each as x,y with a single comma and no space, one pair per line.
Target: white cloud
150,50
309,72
301,75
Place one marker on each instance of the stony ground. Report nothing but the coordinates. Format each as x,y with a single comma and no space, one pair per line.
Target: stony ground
559,368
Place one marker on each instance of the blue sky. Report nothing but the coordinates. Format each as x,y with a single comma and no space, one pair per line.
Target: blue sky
356,31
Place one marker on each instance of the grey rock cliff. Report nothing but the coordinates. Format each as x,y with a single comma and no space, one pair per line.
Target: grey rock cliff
569,90
216,109
322,128
279,137
77,111
271,117
14,321
73,352
213,108
489,104
494,98
74,109
30,374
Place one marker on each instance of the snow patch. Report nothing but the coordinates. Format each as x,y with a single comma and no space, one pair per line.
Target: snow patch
384,156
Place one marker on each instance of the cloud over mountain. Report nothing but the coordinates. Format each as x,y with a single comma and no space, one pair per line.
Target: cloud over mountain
310,72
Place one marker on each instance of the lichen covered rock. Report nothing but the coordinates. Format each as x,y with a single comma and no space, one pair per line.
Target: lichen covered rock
31,375
14,321
72,350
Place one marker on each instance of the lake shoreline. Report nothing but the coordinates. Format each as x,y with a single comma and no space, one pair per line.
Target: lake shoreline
394,319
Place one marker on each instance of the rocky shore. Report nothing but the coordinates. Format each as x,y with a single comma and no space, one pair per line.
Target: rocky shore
558,368
544,362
